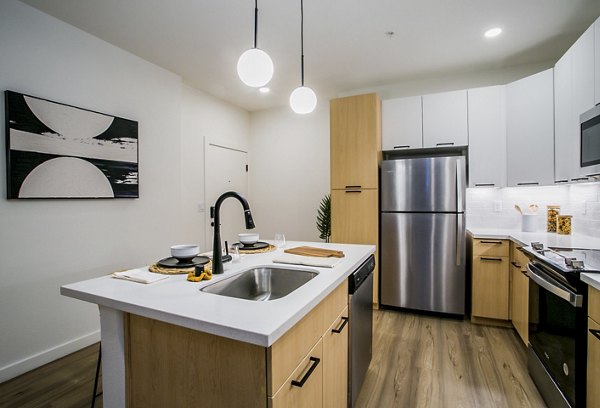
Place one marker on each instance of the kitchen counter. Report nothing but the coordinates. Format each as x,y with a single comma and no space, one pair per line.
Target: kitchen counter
548,239
175,300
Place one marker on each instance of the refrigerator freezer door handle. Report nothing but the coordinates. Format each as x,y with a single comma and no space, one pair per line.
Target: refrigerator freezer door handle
459,239
459,187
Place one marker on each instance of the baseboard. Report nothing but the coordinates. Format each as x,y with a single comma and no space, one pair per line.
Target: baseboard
37,360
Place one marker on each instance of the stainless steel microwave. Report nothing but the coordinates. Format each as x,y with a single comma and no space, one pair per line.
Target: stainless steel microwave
590,137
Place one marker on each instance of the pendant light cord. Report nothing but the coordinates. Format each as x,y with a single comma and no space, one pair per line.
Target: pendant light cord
255,21
302,37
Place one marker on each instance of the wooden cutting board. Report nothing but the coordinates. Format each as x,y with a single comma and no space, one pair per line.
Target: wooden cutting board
313,251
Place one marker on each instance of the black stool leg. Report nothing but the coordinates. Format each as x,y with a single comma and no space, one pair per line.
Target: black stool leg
94,395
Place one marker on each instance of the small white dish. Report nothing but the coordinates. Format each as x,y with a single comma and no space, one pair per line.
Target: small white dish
184,252
248,238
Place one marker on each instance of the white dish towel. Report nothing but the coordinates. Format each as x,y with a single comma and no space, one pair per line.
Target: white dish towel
307,260
140,275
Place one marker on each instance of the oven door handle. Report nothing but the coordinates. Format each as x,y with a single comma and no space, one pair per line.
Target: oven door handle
573,298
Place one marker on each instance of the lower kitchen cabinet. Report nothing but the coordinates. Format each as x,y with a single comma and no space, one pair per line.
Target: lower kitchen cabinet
304,388
490,280
169,365
335,350
593,358
519,293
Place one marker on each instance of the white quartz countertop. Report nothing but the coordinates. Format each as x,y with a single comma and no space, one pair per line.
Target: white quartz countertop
548,239
177,301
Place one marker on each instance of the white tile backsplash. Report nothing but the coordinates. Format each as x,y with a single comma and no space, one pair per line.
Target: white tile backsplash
582,201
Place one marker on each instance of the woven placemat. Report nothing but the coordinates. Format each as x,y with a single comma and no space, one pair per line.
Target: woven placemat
156,268
257,251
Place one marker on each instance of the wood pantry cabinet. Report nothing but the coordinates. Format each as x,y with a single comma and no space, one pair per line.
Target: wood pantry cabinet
593,357
355,123
490,281
519,292
169,365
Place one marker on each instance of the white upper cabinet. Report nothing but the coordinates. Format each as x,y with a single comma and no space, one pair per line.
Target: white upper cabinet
445,119
597,59
402,123
530,130
564,146
487,137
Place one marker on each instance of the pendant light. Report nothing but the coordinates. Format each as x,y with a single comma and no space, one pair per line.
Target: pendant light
303,99
255,67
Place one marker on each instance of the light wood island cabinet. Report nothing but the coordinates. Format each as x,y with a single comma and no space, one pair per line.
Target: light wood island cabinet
355,156
170,365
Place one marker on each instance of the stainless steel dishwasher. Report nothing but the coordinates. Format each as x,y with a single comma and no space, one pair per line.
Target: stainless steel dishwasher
360,312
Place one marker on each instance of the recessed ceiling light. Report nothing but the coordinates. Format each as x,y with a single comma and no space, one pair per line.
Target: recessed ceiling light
264,89
493,32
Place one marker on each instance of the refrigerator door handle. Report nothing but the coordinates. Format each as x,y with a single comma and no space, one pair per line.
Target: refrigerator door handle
459,187
459,240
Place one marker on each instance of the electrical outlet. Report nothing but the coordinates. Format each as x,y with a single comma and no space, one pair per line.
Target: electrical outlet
497,206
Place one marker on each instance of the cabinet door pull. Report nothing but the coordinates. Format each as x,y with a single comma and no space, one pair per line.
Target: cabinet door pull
492,242
593,175
315,363
524,273
445,144
561,181
516,265
353,186
353,191
596,333
529,183
491,259
485,184
402,147
579,178
339,329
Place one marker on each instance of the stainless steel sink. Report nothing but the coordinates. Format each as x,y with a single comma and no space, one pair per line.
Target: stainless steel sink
261,283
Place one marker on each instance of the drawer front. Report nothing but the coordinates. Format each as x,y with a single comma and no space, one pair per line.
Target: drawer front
292,347
495,247
593,369
594,304
304,387
517,256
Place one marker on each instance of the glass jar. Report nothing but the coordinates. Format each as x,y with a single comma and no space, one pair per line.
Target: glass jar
552,211
563,224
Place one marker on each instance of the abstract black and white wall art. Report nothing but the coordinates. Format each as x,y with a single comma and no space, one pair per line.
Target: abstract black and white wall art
60,151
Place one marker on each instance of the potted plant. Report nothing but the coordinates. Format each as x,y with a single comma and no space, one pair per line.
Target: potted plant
324,218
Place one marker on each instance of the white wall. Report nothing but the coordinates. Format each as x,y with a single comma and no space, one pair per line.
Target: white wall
582,201
47,243
204,116
289,170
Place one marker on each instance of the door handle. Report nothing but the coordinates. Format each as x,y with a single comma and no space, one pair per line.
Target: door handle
402,147
445,144
315,363
529,183
485,184
339,329
516,265
459,240
491,259
596,333
573,298
491,242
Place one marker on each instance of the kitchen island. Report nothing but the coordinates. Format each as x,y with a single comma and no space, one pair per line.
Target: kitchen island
150,332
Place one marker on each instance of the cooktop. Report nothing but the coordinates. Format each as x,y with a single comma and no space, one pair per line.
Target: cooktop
566,259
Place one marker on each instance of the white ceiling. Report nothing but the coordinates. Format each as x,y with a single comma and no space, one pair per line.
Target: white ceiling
345,44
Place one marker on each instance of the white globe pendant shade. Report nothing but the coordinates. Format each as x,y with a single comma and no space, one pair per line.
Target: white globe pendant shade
303,100
255,68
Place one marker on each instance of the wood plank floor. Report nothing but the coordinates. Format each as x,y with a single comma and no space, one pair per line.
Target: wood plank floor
423,361
64,383
418,361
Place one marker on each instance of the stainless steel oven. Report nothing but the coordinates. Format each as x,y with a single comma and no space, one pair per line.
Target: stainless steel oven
557,352
557,328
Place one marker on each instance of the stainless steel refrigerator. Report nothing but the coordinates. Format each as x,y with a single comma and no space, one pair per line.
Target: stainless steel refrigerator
423,233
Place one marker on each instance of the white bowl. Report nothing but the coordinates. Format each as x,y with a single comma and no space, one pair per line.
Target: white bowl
184,251
248,238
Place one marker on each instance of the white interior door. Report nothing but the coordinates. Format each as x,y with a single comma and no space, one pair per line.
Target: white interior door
225,170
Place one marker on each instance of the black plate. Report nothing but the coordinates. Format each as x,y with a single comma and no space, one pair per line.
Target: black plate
251,247
171,262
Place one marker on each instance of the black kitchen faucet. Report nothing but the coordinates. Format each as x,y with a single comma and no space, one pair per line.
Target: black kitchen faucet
217,260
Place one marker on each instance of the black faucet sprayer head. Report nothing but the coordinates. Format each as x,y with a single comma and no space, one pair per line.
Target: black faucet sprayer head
249,220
